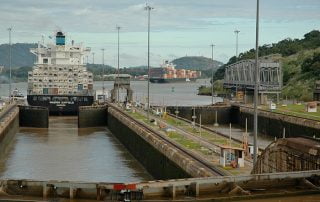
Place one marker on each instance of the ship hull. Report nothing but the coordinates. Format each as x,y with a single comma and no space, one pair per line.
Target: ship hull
174,80
60,104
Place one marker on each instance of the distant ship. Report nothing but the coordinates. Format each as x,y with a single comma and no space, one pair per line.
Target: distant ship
59,79
167,73
17,96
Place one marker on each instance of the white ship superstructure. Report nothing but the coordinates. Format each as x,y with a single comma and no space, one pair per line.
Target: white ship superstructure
59,79
60,69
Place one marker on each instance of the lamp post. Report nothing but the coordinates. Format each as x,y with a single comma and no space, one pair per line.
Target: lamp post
93,58
10,61
148,9
212,47
237,47
104,98
118,93
237,42
256,100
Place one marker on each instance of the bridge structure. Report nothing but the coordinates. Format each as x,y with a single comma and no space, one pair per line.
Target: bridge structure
240,78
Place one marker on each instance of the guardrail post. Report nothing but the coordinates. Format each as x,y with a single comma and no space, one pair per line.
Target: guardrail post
195,188
45,191
72,192
172,189
99,193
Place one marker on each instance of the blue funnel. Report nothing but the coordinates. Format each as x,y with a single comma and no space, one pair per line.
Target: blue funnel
60,39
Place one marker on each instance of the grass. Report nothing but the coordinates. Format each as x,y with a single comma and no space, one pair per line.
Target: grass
190,144
211,137
182,140
297,110
174,122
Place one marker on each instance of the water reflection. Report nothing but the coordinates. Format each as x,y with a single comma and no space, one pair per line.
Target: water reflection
64,152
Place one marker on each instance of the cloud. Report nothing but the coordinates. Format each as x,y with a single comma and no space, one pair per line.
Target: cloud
178,26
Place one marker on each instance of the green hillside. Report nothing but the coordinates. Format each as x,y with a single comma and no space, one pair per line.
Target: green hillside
195,63
300,59
18,74
21,55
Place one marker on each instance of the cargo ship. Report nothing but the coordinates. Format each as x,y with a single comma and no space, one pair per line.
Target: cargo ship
59,79
167,73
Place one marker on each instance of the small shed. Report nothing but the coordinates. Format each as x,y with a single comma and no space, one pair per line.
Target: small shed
273,106
311,107
231,156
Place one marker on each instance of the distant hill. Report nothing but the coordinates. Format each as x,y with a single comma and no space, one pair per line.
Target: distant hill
18,74
23,60
196,63
21,55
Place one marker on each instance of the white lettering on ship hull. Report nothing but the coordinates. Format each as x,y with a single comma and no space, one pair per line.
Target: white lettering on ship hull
61,103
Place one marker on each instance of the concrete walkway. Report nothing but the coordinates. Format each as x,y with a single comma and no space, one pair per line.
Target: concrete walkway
205,143
237,133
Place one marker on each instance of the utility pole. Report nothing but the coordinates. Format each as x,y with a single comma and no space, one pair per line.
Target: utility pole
237,43
103,89
256,94
212,66
93,58
10,61
118,80
148,8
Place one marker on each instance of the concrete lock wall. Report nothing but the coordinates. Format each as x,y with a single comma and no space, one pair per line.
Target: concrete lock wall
92,116
207,113
270,123
273,124
33,117
9,126
156,163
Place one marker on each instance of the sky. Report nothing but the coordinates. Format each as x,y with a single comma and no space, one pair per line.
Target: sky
178,27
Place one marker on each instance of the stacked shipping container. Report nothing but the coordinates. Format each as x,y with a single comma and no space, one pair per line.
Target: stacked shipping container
168,71
51,80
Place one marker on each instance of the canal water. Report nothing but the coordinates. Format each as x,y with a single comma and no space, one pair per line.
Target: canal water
64,152
160,94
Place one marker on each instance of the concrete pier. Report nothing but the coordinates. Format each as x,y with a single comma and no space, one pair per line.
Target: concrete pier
180,174
210,188
149,146
273,124
9,125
